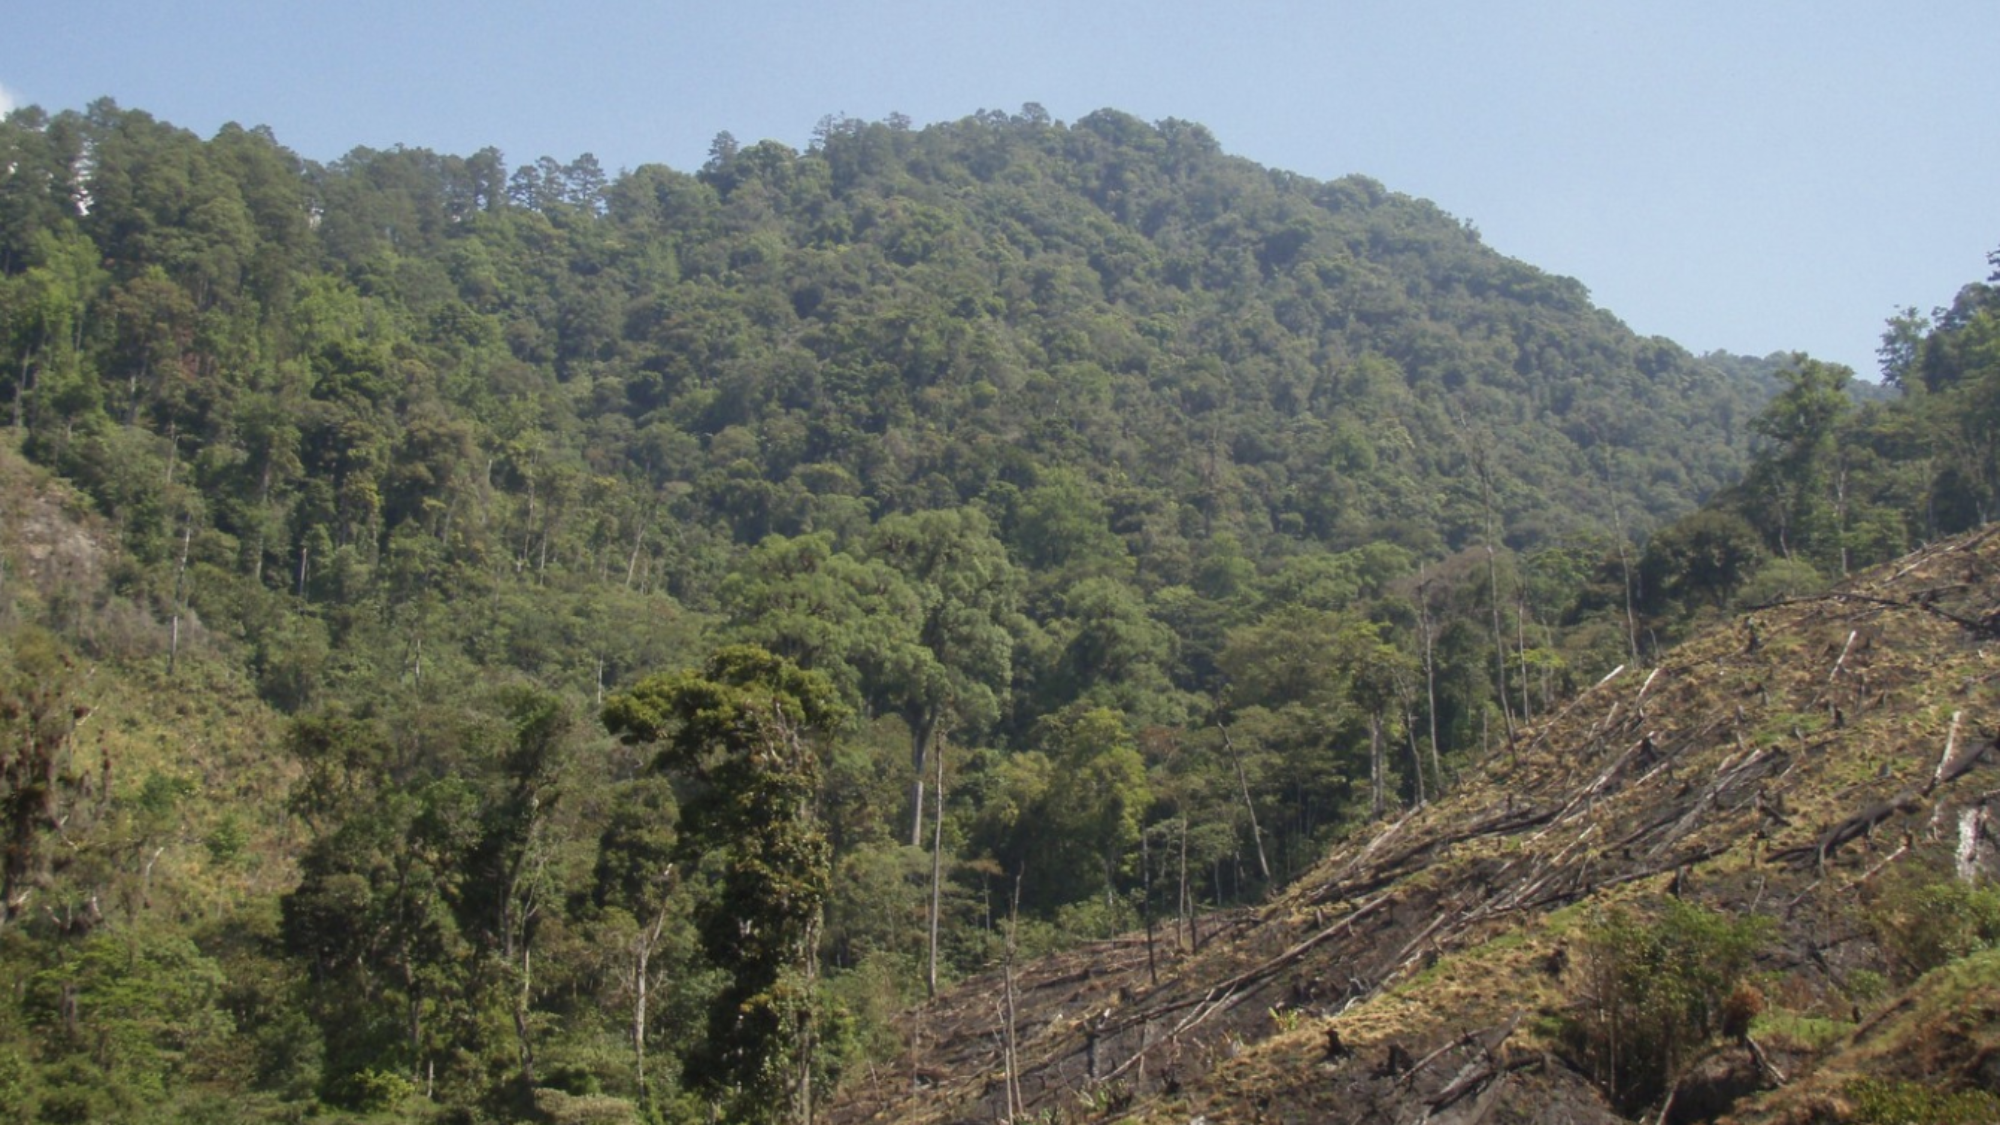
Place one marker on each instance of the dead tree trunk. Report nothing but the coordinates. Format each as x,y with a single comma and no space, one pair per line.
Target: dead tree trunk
1249,806
937,876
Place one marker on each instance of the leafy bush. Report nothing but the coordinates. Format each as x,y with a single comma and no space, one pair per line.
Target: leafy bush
1865,986
373,1091
1921,922
1653,992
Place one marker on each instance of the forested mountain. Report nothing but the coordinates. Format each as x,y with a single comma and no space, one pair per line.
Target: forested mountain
1159,379
383,529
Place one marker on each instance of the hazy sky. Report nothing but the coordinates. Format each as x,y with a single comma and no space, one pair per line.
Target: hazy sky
1750,175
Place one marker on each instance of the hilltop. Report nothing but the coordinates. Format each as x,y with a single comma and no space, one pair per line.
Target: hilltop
1811,763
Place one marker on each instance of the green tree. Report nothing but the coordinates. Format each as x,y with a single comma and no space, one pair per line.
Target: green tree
1702,557
1090,821
509,882
635,873
967,591
1651,994
142,1008
1062,525
744,732
1902,345
429,876
372,921
854,620
1312,697
48,317
1066,815
1110,651
1794,483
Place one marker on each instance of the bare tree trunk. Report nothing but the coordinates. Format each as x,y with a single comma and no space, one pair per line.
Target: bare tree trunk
1015,1105
1521,646
1416,758
806,1044
415,1014
21,389
145,368
937,875
180,598
1625,566
1375,781
921,731
1146,900
517,914
1840,510
632,563
521,1035
642,955
1185,913
1499,634
1430,679
1243,783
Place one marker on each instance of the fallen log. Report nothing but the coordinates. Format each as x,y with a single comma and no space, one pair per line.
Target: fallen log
1851,829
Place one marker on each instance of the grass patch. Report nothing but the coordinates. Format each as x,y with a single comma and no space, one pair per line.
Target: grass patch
1782,726
1793,1029
1883,1102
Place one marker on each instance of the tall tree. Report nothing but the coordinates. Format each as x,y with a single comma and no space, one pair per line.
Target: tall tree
745,731
1796,481
635,872
508,881
967,591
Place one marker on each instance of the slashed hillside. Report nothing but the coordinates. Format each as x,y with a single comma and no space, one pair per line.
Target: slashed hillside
1823,765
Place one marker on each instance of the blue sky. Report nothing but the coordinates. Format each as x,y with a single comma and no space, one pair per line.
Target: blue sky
1752,176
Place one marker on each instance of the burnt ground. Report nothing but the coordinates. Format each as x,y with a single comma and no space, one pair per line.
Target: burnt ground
1779,764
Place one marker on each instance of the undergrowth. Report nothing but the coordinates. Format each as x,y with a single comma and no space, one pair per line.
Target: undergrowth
1922,919
1654,991
1888,1102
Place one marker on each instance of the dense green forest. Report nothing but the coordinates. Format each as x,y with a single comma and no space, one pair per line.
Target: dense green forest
486,642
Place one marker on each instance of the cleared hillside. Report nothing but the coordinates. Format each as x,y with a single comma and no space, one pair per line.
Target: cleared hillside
1799,763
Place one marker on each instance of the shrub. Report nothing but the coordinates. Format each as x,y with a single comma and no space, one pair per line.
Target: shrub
375,1091
1920,922
1654,992
1865,986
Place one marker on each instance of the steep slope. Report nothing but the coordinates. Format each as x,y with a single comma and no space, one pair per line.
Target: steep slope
178,799
1787,765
